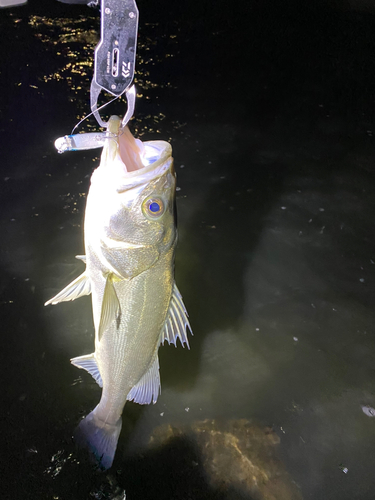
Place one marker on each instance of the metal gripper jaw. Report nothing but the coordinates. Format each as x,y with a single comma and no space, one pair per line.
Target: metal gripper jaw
115,54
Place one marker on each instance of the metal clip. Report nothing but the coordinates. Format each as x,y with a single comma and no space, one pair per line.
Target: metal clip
94,94
115,53
94,140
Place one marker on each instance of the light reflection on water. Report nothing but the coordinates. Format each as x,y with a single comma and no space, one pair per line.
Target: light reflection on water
73,41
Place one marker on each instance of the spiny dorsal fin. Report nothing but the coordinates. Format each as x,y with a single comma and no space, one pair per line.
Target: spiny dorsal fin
148,388
88,363
177,321
78,288
110,307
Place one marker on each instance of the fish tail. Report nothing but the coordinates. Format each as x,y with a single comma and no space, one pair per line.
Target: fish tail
99,438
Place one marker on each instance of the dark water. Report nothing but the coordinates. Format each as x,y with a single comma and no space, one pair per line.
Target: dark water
270,112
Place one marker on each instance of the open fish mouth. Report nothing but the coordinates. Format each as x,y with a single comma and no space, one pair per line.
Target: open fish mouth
153,151
156,158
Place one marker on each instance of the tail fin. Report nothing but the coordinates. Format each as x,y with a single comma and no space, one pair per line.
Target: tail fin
99,438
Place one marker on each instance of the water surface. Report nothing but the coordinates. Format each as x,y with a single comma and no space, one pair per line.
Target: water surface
270,113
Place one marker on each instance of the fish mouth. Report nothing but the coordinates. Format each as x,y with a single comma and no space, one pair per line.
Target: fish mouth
156,156
155,152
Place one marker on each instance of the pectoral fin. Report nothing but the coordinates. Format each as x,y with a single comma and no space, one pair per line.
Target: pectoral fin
177,321
148,388
78,288
88,363
110,307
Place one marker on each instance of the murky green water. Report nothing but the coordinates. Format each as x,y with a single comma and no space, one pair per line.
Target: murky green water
271,117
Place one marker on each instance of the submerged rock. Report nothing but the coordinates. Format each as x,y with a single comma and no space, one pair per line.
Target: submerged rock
238,458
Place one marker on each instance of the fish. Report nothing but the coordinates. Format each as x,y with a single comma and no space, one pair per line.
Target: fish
130,238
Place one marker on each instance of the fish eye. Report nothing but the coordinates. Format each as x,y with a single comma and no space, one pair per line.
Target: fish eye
153,207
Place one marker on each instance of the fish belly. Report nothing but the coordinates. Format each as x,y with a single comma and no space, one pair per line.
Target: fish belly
128,348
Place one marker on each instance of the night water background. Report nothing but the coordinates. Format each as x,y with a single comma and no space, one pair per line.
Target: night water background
269,108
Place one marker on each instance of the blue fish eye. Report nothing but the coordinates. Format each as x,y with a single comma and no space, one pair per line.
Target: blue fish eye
153,207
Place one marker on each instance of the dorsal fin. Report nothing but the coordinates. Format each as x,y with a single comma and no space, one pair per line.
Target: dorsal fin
177,321
148,388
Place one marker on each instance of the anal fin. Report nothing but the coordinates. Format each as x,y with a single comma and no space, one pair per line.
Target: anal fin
88,363
148,388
